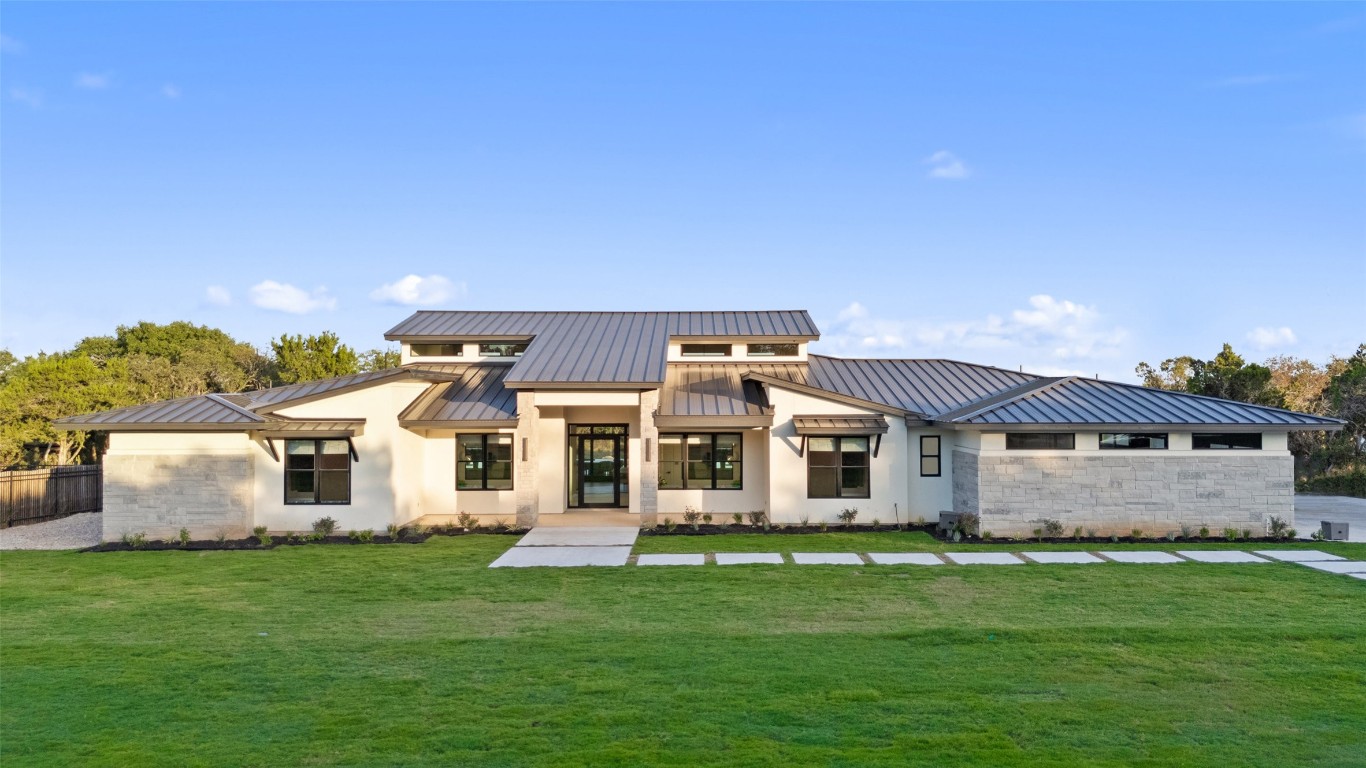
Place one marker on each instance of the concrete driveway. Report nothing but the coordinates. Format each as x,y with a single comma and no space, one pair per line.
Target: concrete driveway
1310,510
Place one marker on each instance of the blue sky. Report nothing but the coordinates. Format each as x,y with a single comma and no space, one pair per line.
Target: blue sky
1065,187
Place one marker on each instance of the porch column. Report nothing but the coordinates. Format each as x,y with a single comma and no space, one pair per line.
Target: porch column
647,484
526,457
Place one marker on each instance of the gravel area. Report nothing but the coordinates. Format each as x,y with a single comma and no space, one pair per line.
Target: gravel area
74,532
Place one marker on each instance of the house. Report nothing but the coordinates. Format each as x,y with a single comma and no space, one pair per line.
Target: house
528,414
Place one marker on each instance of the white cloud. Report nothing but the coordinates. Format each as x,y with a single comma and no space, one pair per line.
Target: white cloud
1049,335
32,98
1266,338
946,165
283,297
416,290
218,296
12,46
170,91
94,81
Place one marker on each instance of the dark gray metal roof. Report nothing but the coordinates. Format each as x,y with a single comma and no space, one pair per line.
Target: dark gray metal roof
596,348
711,395
198,412
840,425
477,396
292,394
1091,402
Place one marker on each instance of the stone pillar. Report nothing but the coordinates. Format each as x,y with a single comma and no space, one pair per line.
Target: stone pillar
647,482
526,458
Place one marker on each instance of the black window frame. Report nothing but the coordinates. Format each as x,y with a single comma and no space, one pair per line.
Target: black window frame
459,349
1071,438
484,470
839,467
316,471
938,455
749,349
1166,441
1231,437
683,350
507,348
712,462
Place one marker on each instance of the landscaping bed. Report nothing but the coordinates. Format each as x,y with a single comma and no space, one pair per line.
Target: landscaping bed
266,541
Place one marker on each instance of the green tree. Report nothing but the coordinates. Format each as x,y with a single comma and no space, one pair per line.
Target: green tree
46,387
1230,377
307,358
1345,397
201,359
1173,373
379,359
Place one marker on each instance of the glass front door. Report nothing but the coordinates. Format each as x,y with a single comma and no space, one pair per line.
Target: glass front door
597,466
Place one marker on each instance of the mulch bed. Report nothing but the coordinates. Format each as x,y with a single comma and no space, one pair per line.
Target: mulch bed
686,529
299,540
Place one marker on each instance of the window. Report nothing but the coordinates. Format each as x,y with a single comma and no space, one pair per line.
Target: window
700,461
502,350
705,350
837,467
317,472
436,350
1251,441
1133,440
929,456
1040,441
772,350
483,462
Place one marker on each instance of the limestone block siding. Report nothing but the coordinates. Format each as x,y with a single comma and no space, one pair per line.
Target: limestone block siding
1118,493
158,494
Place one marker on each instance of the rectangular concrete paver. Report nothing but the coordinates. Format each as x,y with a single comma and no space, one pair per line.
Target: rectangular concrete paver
1140,556
1220,556
1070,558
748,558
1338,566
579,537
826,558
984,558
904,558
561,557
1357,575
1297,555
671,560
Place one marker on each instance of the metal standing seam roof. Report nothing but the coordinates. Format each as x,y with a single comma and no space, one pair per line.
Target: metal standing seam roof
712,393
840,425
196,412
623,348
1080,401
478,396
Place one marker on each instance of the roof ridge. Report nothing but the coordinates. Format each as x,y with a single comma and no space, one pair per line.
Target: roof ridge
218,398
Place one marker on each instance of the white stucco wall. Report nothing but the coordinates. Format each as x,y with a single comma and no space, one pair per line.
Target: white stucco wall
788,502
723,503
928,496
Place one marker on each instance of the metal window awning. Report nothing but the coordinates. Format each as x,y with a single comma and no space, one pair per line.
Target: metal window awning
839,425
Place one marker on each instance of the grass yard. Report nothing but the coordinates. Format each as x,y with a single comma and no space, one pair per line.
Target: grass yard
421,655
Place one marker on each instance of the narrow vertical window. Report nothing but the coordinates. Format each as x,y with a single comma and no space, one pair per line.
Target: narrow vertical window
929,456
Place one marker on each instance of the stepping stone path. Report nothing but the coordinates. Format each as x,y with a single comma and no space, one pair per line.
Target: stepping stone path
1297,555
1338,566
1132,556
904,558
1219,556
1062,558
983,558
826,558
570,547
748,558
671,560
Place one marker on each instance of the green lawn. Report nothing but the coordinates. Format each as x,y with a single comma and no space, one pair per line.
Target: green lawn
421,655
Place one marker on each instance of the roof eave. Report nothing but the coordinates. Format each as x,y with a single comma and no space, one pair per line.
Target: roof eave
826,394
1108,427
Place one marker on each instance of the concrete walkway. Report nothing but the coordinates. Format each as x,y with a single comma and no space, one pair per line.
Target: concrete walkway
1311,511
570,547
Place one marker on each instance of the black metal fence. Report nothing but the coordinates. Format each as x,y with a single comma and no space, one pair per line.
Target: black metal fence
34,495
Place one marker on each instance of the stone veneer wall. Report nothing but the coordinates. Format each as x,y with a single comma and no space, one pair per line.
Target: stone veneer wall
1118,493
160,494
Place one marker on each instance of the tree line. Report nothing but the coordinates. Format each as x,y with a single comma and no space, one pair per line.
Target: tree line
145,363
1333,462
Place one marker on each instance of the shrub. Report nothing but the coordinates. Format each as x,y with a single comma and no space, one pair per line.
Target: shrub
1114,539
1317,535
1052,528
1349,482
1076,533
1204,532
135,540
1187,531
450,528
955,535
1171,535
325,526
261,536
876,523
502,526
738,518
691,516
1247,534
364,536
221,536
707,518
467,521
418,529
920,520
822,525
805,520
1137,533
184,536
1291,533
669,524
968,524
986,534
394,531
316,536
1038,534
1090,533
1231,534
757,516
847,516
1277,527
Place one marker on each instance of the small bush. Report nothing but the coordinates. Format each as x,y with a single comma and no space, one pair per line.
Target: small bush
394,531
986,534
450,528
418,529
502,526
968,524
261,536
1076,533
184,536
707,518
1204,532
669,524
1187,531
738,518
325,526
822,525
847,516
1277,527
135,540
1247,534
1171,535
1137,533
757,516
1090,533
1317,535
316,536
876,523
955,535
1231,534
1052,528
691,516
1038,534
920,520
364,536
221,536
805,520
467,521
1114,539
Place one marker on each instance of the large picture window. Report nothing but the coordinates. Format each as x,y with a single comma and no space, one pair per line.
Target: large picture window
837,467
1040,441
709,461
1120,441
1247,441
317,472
483,462
929,456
